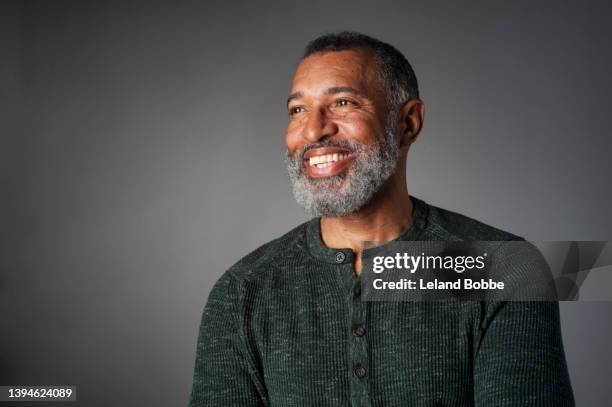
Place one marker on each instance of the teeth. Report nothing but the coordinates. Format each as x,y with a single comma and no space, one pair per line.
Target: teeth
323,161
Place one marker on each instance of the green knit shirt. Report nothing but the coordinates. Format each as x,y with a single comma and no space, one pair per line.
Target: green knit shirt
285,326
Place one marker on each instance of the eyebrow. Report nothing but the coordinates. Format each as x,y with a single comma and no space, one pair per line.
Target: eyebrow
329,91
343,89
295,95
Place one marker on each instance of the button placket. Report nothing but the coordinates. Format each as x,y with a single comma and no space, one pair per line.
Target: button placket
357,290
358,347
357,359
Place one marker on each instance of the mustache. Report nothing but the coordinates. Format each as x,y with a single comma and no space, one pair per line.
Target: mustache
349,145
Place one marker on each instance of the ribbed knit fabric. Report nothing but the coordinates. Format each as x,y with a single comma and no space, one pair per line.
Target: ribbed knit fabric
285,326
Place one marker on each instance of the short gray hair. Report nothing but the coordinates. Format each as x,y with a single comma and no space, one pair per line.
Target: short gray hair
394,70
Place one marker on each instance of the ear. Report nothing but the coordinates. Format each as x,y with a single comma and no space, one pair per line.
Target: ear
412,115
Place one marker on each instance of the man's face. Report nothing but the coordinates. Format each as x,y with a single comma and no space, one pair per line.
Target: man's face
341,143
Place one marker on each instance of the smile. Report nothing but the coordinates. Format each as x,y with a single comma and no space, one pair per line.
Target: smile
326,161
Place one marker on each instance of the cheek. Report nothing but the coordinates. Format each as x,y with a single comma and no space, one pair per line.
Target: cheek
361,131
292,140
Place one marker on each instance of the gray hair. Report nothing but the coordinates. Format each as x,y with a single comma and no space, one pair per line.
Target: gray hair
344,194
394,70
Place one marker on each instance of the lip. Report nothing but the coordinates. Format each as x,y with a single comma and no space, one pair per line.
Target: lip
334,169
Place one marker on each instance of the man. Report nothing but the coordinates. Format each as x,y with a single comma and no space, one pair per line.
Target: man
285,326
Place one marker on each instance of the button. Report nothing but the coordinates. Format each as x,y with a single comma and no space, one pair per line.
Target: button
360,372
358,331
340,257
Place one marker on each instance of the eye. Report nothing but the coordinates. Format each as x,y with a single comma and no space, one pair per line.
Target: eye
295,110
344,102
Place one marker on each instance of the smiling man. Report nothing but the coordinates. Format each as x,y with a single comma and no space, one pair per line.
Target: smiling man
285,326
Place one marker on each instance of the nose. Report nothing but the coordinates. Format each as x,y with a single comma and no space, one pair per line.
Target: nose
319,126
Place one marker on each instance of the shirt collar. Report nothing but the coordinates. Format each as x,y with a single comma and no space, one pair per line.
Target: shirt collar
317,248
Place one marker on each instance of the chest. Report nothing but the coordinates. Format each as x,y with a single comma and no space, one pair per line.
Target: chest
326,347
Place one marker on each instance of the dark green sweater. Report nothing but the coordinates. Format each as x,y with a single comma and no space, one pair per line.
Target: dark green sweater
285,326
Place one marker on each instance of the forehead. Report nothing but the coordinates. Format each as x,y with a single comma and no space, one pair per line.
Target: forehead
355,68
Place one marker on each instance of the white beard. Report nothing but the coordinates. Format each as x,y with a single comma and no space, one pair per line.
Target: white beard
345,193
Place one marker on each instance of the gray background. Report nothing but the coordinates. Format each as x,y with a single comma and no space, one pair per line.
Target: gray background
141,155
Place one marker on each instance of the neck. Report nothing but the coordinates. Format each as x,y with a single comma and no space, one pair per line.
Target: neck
382,220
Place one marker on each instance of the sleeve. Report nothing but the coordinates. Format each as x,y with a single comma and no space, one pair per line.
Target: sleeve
224,373
519,359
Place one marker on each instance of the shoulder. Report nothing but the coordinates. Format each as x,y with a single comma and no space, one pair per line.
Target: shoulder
449,225
266,255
